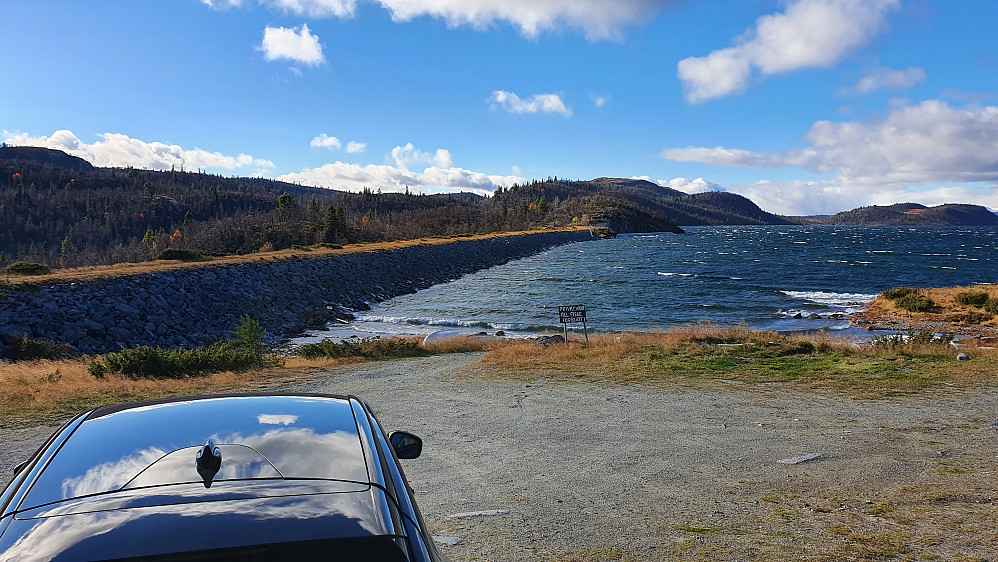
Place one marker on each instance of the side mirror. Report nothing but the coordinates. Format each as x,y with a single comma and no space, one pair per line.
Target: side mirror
406,445
20,467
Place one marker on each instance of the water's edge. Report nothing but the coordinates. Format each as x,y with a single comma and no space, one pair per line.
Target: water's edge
192,307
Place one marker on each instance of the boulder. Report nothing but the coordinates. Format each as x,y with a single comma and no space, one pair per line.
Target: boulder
544,341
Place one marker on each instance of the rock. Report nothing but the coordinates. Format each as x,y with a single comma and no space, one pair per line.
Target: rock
486,513
449,541
962,357
440,335
814,316
801,459
544,341
500,334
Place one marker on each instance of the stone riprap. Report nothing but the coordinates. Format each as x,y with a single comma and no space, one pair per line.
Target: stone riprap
192,307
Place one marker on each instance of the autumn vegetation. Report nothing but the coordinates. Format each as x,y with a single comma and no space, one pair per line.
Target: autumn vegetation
702,356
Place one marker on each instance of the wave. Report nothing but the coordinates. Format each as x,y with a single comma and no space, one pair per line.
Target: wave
832,299
698,275
454,323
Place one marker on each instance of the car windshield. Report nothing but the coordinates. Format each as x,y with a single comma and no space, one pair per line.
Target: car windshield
258,437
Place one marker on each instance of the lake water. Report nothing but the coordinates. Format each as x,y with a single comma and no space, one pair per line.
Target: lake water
762,276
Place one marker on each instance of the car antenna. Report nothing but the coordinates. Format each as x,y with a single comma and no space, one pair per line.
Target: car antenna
208,461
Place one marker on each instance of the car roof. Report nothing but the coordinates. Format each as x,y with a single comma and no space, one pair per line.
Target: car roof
155,443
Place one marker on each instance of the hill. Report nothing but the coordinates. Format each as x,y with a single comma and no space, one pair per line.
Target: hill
912,214
711,208
44,157
59,210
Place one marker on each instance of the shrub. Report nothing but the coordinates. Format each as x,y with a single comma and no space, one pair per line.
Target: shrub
329,245
991,307
370,348
972,298
898,292
248,336
27,268
23,348
155,362
915,303
301,248
182,255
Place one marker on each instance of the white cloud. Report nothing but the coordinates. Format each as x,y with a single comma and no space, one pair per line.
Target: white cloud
315,8
538,103
325,141
517,171
598,19
913,153
122,151
299,45
830,197
723,157
408,155
913,144
354,147
599,101
440,175
352,177
809,34
888,78
222,4
698,185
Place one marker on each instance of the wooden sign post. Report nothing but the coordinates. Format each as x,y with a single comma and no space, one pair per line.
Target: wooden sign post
573,315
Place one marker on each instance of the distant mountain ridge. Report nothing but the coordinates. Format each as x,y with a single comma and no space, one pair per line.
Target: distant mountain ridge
44,157
699,209
911,214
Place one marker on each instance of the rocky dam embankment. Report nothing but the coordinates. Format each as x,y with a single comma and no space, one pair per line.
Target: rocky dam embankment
193,307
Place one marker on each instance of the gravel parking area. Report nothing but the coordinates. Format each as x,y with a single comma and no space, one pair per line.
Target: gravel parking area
563,470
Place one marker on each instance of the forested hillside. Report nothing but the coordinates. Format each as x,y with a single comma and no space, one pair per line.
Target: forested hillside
913,214
61,211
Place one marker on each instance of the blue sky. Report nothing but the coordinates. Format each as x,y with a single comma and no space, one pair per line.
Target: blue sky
805,106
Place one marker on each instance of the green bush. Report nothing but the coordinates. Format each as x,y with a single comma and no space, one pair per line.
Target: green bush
155,362
972,298
183,255
991,307
915,303
23,348
327,245
248,336
898,292
301,248
370,348
27,268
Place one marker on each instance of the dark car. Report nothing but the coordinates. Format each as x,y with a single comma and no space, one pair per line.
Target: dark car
245,477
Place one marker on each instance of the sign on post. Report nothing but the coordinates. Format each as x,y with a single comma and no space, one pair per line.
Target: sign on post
574,314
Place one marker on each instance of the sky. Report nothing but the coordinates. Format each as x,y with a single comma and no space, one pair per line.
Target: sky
804,106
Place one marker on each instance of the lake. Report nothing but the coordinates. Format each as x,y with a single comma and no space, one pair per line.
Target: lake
768,277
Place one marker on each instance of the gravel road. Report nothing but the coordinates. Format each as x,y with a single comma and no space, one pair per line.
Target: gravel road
562,470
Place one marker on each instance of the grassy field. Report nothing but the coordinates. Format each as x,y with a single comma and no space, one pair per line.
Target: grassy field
690,356
708,354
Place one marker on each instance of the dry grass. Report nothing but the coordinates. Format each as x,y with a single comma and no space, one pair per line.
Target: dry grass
700,354
947,310
38,390
71,275
51,389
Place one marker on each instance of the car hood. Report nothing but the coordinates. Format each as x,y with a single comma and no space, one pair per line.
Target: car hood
156,522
